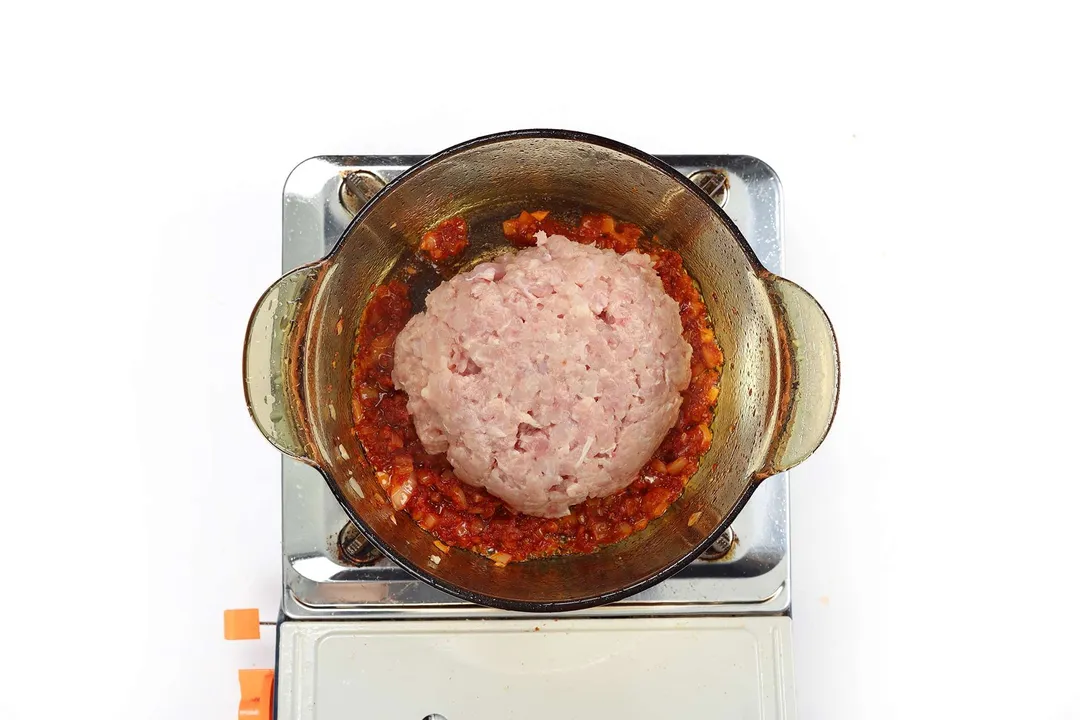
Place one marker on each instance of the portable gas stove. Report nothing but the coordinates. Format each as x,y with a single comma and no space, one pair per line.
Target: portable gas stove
358,637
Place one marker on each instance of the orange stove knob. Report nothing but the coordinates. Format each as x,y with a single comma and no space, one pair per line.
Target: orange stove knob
242,624
256,695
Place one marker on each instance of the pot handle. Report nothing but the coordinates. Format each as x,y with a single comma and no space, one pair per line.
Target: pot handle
810,375
272,353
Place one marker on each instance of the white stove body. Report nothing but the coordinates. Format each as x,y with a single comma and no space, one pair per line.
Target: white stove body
729,668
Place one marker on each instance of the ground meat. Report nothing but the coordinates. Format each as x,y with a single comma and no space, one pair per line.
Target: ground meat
549,376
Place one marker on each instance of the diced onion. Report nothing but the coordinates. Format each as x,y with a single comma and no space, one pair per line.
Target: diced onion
677,466
400,497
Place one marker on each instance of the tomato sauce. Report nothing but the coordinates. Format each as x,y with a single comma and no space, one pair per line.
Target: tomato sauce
460,515
446,240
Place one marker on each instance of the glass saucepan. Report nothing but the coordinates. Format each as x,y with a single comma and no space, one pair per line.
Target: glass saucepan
778,390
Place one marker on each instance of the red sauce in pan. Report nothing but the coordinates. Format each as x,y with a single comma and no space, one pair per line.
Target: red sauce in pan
446,240
460,515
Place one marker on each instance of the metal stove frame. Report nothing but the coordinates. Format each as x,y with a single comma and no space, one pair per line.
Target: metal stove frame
749,573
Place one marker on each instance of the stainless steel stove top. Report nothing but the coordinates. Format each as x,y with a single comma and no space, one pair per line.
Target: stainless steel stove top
330,575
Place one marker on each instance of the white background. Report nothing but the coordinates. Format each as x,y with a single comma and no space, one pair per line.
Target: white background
929,157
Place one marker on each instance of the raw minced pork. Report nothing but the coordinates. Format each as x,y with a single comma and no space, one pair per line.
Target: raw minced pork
547,376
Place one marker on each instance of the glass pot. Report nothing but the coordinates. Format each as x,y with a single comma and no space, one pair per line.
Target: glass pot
778,388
